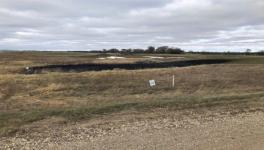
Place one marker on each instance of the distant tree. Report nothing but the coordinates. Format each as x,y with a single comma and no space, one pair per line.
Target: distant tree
169,50
260,52
125,51
150,49
129,50
162,49
248,51
174,51
227,53
113,50
138,50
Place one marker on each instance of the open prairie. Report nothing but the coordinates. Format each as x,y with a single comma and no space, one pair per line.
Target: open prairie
51,100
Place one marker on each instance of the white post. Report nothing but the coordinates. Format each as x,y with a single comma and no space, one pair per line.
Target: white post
173,81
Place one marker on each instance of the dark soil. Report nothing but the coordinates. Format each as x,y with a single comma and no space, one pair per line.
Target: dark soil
127,66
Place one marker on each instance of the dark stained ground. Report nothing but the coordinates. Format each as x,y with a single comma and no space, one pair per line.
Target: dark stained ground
127,66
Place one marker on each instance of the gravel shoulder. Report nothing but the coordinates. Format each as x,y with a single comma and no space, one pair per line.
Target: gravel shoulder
159,130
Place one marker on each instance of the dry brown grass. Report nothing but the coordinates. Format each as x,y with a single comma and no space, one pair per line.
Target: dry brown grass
28,98
91,88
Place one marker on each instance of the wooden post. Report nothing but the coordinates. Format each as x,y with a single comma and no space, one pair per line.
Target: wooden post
173,81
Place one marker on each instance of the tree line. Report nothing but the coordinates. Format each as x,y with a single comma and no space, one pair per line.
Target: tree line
171,50
149,50
247,52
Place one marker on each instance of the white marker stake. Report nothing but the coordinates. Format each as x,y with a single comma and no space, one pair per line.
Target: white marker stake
152,83
173,81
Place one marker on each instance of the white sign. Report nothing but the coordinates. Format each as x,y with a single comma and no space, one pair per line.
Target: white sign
152,83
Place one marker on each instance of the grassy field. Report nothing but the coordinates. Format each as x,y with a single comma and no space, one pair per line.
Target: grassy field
232,87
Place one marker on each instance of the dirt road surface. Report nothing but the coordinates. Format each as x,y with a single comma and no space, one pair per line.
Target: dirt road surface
168,131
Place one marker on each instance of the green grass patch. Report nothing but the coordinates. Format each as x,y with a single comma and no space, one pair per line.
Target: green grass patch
10,121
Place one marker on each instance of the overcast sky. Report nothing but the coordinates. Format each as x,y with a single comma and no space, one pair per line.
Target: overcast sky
215,25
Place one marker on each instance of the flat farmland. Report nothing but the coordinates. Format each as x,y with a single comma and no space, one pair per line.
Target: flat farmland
69,108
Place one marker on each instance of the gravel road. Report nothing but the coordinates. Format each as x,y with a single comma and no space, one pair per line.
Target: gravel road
171,131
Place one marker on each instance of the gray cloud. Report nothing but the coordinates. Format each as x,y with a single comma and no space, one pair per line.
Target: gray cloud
83,25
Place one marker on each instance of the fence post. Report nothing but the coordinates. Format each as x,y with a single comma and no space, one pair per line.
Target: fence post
173,81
